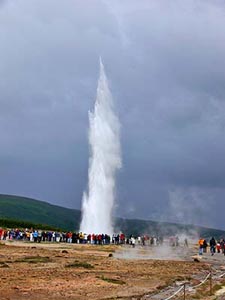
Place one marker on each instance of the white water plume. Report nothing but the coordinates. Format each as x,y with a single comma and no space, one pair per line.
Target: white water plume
105,159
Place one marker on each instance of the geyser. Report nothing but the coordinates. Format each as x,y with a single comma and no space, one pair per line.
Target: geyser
105,159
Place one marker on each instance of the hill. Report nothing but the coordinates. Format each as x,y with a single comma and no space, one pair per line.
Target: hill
39,212
137,227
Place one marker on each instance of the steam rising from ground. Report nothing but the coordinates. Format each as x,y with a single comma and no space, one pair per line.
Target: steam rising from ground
160,252
189,206
105,159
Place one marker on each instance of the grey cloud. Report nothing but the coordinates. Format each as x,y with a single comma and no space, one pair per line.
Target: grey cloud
165,63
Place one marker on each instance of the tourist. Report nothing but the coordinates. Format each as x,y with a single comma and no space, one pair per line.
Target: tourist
222,244
35,236
218,247
205,245
132,241
212,244
201,243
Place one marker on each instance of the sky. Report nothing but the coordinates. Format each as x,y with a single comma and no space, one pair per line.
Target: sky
166,68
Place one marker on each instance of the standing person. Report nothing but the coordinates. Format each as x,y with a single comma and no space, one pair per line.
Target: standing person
133,241
222,244
35,236
205,245
212,244
218,247
201,243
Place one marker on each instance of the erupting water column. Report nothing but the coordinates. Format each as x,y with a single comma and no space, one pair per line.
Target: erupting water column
105,159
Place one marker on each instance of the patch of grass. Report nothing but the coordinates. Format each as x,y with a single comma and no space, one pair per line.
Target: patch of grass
182,278
216,287
112,280
162,286
34,259
3,265
197,296
79,264
104,249
205,292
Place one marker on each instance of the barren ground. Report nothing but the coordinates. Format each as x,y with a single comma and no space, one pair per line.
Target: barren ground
48,271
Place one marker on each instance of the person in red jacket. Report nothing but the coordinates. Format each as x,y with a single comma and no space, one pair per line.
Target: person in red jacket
218,247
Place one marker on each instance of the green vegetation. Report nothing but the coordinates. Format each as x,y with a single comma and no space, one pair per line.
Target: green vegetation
9,223
79,264
38,212
3,265
216,288
21,212
112,280
34,259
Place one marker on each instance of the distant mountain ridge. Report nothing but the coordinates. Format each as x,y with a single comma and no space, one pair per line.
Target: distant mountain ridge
40,212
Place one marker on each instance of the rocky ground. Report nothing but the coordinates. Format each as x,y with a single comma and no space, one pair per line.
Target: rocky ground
56,271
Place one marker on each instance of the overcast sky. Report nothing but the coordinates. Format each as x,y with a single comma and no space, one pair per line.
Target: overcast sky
166,66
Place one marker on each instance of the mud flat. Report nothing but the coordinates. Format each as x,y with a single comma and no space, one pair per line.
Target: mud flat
70,271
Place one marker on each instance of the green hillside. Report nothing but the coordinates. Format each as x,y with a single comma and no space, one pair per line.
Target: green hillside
39,212
27,210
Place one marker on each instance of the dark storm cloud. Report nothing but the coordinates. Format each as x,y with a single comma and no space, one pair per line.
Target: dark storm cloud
177,108
165,62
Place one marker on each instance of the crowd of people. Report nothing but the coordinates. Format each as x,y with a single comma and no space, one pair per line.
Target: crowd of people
213,245
38,236
53,236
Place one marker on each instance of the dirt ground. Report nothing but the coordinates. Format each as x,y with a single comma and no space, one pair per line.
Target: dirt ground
53,271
